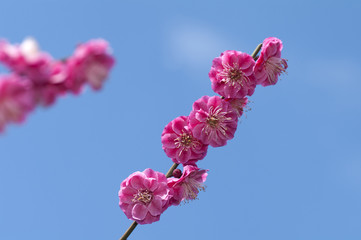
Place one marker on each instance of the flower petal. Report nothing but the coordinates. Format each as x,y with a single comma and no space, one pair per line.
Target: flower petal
139,211
155,207
137,181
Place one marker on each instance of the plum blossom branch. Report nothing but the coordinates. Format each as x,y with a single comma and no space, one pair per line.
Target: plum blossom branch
175,165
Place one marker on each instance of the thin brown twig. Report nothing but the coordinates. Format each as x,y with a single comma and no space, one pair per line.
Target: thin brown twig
171,169
255,52
129,231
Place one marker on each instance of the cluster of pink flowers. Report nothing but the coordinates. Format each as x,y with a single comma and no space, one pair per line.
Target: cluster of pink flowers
213,121
38,79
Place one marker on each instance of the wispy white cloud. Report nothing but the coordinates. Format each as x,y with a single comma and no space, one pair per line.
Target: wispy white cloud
191,44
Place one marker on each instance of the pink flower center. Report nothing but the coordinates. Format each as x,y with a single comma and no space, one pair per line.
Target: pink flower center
186,141
233,75
274,67
216,121
212,121
144,196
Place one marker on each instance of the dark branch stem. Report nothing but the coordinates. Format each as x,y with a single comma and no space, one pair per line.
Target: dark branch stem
129,231
171,169
255,52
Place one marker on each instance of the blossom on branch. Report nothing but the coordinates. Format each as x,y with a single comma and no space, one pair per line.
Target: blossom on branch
90,63
213,121
270,65
144,196
238,104
179,143
27,60
45,75
188,185
48,91
45,78
231,74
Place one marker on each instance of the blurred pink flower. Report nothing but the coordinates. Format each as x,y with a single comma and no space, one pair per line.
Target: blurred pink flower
90,63
16,100
270,65
188,185
213,121
46,76
144,196
238,104
179,143
231,74
47,92
27,60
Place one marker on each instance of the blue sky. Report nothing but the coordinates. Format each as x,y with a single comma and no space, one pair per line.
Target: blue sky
293,170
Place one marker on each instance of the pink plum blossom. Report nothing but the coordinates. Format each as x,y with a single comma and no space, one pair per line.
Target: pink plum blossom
46,76
46,92
90,63
179,143
213,121
238,104
144,196
188,185
27,60
231,74
270,65
16,100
